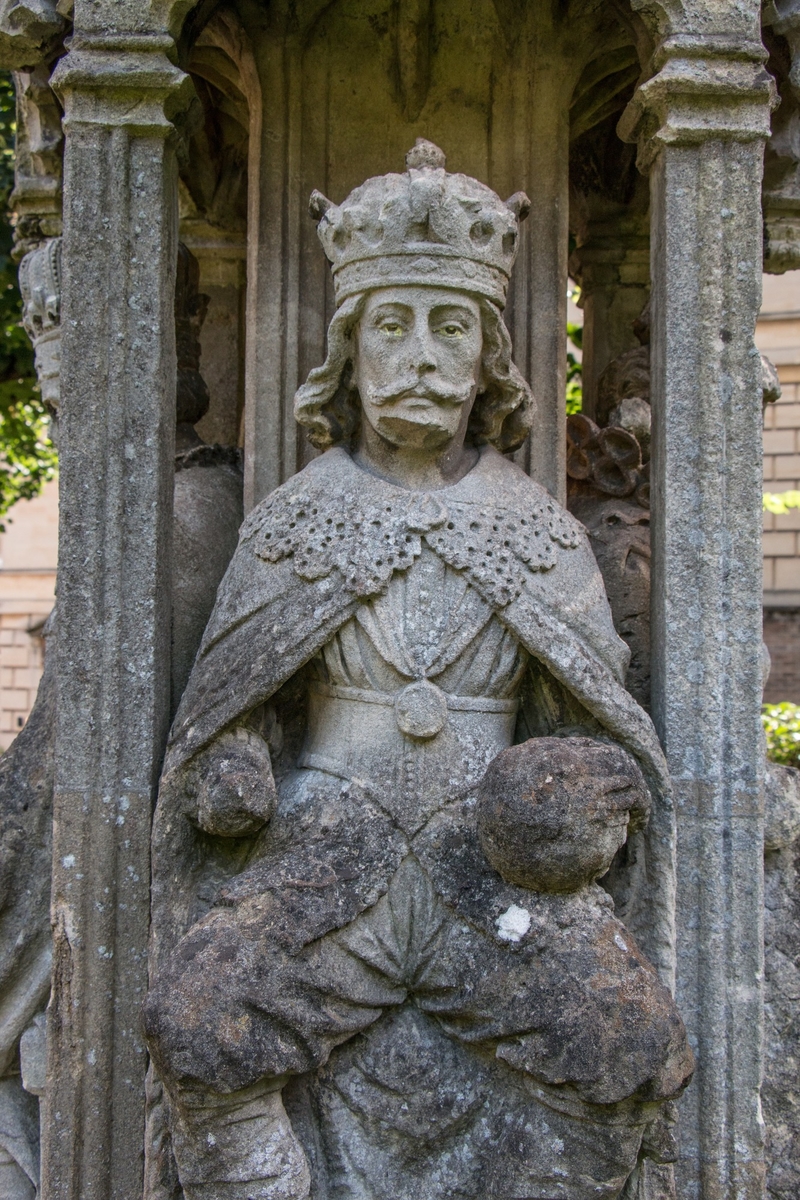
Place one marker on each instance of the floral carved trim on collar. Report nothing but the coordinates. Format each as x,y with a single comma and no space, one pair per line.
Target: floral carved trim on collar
366,538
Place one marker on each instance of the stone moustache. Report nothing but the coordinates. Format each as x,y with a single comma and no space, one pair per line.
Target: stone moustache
380,967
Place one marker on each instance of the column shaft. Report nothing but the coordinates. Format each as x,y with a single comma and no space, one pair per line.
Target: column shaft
116,475
547,251
706,399
612,266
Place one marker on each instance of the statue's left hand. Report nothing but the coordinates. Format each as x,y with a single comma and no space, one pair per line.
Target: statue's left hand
235,792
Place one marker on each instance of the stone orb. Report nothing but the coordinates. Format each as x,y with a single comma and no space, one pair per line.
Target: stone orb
552,812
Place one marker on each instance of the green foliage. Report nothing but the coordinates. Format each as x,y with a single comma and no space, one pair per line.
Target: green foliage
27,456
574,375
782,727
780,502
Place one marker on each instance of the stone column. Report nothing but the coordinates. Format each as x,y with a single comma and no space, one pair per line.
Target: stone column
612,266
36,199
545,254
709,106
781,189
116,479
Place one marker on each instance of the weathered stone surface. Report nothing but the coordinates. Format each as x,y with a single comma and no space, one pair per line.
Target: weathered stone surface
26,817
608,460
553,812
781,185
38,161
781,980
619,532
620,535
40,285
207,497
625,378
706,632
207,513
117,421
29,31
204,514
509,85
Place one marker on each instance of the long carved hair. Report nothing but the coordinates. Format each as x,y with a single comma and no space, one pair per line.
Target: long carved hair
328,403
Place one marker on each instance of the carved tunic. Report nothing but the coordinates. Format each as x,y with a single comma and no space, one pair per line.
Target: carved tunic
417,693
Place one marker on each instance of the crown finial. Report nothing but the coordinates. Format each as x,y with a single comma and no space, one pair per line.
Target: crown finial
425,154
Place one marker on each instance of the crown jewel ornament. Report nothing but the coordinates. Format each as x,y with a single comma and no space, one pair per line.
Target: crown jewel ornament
424,227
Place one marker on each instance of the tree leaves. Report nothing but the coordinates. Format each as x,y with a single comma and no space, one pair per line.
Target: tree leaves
782,727
27,456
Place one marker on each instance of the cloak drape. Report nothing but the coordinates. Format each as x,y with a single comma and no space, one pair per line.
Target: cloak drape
329,539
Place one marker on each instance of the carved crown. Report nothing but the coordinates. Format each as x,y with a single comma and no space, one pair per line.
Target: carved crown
424,227
40,285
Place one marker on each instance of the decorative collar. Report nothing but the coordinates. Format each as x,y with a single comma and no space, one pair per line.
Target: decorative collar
336,518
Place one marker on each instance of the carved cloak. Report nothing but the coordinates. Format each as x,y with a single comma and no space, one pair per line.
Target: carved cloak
329,539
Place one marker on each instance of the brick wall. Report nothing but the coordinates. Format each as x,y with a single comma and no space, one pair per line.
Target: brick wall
21,665
28,553
782,474
782,635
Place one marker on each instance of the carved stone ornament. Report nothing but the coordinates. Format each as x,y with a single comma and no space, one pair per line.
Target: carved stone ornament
381,963
40,284
608,465
364,543
29,31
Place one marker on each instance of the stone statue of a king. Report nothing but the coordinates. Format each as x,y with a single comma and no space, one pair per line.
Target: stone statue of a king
382,966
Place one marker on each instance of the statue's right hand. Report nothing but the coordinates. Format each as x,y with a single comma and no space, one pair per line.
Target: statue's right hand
235,790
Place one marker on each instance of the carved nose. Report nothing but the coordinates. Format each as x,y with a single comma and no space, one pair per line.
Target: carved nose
423,357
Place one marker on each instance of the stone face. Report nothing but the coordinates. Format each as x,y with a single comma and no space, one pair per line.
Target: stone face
40,285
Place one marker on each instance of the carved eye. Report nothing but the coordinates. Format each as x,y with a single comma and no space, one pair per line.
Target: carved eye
392,328
451,331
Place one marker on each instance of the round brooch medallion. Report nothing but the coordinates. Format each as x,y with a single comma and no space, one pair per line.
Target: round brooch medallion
421,709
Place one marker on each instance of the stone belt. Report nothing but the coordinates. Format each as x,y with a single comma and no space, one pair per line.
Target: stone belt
421,708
